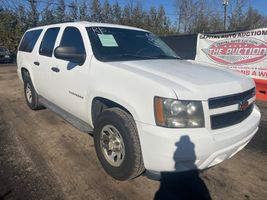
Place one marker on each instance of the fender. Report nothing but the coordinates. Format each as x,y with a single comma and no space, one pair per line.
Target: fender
113,98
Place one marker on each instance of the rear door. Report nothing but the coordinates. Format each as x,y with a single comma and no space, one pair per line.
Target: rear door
45,62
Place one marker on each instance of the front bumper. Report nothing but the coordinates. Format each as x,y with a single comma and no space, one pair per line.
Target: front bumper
166,149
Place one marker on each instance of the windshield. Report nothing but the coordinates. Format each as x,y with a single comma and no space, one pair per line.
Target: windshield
117,44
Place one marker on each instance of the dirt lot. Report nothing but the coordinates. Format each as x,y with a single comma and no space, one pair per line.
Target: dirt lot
43,157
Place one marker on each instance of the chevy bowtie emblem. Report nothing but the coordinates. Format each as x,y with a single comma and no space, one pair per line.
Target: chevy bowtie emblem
243,105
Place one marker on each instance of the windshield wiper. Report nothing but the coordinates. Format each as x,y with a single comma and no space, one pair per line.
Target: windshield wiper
137,57
134,56
161,56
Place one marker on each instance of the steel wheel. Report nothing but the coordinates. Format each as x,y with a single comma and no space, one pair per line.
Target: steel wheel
112,145
117,144
29,93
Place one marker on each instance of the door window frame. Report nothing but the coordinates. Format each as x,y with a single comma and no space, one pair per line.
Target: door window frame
54,42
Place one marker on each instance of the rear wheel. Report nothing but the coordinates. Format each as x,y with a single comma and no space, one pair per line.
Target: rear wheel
30,94
117,144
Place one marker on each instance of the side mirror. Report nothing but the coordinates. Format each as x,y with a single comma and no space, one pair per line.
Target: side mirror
70,54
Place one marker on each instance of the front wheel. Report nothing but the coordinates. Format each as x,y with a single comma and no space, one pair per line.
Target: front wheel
117,144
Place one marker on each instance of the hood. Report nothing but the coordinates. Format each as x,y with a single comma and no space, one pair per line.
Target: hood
189,79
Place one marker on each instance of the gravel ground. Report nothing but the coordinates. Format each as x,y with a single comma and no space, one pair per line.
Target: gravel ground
44,157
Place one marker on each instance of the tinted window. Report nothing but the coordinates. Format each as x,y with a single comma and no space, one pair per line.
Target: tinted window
29,40
48,43
72,38
114,44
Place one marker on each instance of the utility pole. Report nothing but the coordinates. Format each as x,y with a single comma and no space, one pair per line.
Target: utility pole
225,4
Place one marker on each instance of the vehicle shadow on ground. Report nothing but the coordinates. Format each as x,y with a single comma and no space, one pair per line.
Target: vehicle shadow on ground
6,195
183,185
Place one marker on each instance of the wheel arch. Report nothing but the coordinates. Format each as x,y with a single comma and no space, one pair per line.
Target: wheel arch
24,72
99,104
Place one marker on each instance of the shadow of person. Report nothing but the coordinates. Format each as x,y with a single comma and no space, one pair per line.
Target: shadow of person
183,185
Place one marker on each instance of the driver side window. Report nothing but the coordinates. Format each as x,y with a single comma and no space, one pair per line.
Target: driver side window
72,38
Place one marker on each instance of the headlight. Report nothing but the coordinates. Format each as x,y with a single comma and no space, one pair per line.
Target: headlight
7,56
174,113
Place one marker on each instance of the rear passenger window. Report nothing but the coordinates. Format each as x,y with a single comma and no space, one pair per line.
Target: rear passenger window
29,40
72,38
48,42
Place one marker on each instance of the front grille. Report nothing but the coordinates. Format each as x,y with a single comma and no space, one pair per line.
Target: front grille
231,118
223,101
223,120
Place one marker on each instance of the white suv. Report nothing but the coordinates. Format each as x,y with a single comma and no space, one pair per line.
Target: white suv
146,108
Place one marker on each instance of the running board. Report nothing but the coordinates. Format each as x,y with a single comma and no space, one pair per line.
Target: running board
76,122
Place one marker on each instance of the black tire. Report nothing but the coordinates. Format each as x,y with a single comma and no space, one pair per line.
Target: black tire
33,104
132,165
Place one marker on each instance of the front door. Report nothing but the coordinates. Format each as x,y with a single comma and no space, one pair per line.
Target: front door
70,80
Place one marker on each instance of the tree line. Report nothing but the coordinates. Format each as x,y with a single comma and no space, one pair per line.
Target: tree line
191,16
203,16
14,22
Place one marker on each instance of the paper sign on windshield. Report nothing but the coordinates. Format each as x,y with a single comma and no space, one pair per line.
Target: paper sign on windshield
107,40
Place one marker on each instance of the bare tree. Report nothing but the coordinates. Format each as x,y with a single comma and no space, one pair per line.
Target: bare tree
162,21
73,11
253,19
237,14
117,13
33,14
47,14
126,16
96,14
185,10
137,16
83,9
195,16
60,12
107,12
